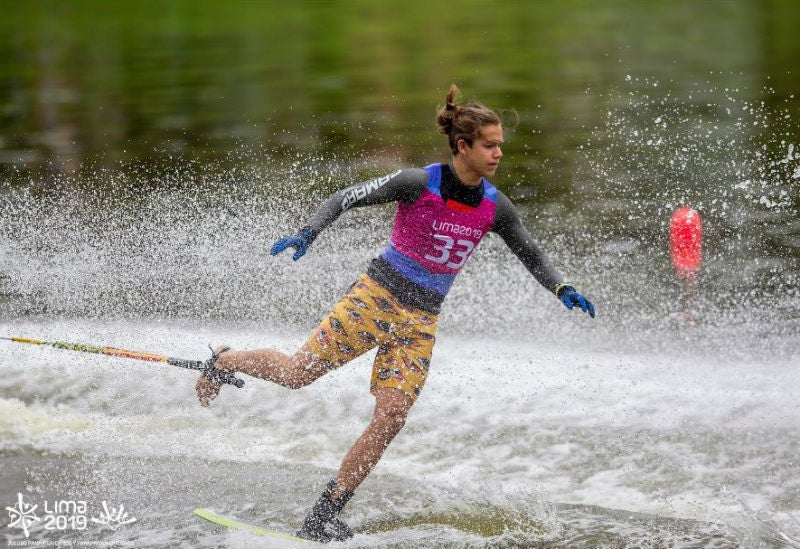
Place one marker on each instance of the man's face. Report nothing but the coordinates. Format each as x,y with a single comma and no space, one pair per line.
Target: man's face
484,155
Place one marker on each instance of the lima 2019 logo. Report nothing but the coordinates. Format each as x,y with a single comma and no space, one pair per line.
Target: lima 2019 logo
61,515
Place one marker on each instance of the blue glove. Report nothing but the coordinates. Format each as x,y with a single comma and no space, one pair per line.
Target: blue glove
569,297
300,242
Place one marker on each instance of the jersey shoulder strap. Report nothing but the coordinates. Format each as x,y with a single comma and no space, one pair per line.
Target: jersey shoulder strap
489,191
434,179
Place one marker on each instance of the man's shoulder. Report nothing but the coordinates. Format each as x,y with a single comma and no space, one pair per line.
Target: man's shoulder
415,174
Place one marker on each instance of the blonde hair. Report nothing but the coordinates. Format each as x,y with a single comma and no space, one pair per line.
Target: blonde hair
459,122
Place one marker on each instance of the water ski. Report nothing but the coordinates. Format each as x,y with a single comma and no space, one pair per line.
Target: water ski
230,522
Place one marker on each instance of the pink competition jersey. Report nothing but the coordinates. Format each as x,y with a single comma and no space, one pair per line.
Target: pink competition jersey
432,240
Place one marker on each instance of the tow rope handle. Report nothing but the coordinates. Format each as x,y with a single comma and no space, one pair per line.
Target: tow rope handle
206,367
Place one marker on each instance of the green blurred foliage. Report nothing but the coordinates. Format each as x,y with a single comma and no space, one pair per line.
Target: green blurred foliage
92,83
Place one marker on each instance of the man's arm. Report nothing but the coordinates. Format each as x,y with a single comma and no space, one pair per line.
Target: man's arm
402,185
509,226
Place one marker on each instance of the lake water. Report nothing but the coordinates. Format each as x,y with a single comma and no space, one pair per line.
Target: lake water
149,156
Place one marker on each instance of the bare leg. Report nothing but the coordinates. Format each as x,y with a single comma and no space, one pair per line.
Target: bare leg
391,410
294,371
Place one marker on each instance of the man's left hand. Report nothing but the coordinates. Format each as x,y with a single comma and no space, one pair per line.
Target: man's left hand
570,297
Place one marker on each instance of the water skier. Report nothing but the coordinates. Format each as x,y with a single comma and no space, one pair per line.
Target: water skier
443,212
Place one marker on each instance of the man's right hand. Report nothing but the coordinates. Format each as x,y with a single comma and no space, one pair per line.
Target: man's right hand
300,242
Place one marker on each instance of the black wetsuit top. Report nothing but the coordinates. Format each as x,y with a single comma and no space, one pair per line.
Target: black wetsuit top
407,186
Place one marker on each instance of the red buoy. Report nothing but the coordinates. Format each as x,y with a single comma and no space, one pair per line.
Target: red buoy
686,244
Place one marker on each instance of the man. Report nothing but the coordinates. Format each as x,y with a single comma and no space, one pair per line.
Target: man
444,210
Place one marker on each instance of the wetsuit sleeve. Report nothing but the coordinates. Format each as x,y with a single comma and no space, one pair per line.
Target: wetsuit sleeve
509,226
402,185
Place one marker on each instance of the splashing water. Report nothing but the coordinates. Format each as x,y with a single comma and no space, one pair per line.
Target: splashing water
537,426
728,156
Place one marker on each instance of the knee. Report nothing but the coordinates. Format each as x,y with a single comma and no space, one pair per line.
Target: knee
394,418
296,382
302,370
297,378
392,412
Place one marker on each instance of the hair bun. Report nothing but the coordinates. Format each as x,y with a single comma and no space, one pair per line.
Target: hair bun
451,97
462,123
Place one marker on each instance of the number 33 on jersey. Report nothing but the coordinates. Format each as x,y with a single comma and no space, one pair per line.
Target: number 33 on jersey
459,249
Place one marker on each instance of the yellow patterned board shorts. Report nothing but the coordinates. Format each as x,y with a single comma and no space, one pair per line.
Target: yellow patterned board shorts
370,316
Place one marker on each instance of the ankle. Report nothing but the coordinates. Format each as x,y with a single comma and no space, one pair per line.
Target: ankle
322,523
338,494
227,361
